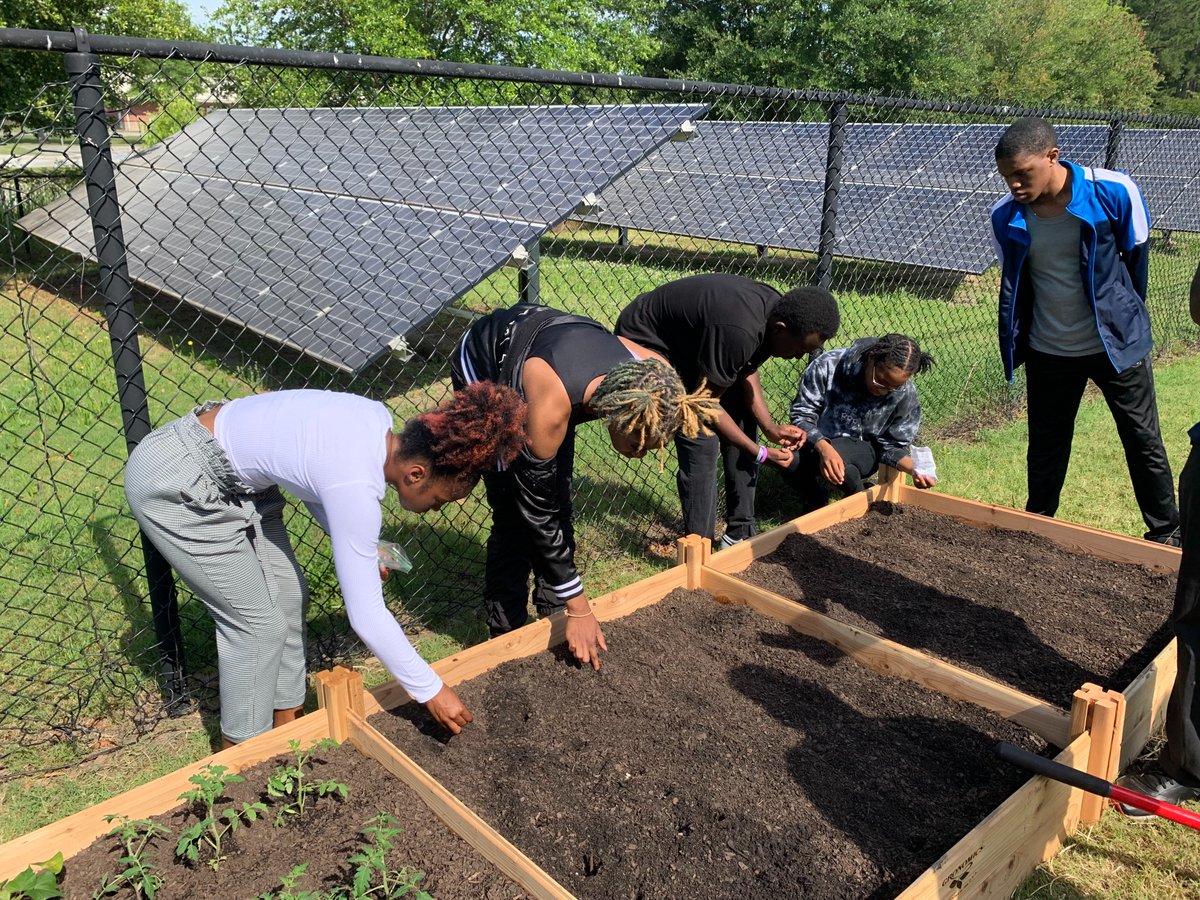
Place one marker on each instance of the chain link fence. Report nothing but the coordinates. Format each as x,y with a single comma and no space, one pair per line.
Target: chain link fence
182,223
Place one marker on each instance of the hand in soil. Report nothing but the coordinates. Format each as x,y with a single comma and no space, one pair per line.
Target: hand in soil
448,710
585,639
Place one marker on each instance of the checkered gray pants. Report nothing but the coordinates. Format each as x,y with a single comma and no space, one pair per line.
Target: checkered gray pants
229,544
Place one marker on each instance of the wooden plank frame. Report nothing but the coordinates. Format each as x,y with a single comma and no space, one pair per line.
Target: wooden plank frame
75,832
1102,729
340,694
998,854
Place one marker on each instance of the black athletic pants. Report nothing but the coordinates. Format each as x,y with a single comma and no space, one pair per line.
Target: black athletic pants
697,477
1182,755
509,558
804,475
1055,387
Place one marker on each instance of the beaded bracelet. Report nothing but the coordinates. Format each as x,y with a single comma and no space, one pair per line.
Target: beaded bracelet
762,455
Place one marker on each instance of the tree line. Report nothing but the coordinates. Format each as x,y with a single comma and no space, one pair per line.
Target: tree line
1094,54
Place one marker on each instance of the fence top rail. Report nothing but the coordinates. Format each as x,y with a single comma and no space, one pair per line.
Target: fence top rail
79,41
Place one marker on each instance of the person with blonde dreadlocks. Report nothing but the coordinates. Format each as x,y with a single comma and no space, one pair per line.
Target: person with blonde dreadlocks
570,370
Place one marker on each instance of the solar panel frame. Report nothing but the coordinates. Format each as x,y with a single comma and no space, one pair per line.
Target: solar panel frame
947,171
277,242
1165,163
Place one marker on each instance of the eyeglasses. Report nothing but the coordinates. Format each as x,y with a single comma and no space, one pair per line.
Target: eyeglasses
889,388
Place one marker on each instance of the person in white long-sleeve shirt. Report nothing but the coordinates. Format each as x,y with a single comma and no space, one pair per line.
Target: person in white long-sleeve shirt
206,490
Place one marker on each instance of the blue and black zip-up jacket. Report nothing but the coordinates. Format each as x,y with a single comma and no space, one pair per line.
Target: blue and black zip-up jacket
1114,243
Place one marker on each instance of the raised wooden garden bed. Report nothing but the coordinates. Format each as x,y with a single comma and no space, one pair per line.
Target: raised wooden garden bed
784,709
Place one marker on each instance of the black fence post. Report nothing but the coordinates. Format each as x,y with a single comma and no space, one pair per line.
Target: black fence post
1112,150
83,70
838,115
529,276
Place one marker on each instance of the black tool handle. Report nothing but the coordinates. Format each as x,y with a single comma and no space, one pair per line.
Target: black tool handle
1041,766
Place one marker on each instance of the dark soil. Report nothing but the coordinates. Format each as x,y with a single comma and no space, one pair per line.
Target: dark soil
717,754
1008,604
260,855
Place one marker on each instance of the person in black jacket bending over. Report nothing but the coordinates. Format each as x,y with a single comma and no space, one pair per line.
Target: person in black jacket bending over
1176,779
569,369
716,330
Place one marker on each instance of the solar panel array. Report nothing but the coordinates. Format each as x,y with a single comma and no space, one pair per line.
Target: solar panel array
1163,162
336,230
912,193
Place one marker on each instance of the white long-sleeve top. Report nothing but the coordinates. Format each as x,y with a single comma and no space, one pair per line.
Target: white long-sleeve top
328,449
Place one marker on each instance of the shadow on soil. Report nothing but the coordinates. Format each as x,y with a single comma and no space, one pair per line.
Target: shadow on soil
879,780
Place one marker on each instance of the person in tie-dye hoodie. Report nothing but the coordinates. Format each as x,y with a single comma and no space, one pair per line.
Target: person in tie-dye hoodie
860,410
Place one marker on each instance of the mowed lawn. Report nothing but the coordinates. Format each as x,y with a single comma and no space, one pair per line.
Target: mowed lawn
70,536
1110,860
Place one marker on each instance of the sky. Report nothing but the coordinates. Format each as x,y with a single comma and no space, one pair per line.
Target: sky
200,10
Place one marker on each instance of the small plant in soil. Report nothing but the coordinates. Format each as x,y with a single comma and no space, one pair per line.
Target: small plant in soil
31,885
138,874
372,876
210,831
289,892
291,784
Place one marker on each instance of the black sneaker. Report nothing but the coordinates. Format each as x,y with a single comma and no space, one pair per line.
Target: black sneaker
1170,539
1158,785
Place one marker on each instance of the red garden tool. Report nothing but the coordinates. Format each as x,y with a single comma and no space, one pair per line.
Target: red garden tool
1094,785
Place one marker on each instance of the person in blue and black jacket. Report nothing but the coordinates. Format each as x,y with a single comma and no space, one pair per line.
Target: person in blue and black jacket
1073,246
858,408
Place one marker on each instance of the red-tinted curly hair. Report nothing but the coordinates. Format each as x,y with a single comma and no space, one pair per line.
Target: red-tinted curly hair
481,425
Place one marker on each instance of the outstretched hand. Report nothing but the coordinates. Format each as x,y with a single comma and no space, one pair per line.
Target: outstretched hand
790,436
448,710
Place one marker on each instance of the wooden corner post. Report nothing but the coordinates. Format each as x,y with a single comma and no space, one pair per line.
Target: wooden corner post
339,690
1104,714
692,553
891,483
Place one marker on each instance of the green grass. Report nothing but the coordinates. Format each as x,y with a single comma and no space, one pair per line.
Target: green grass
64,516
991,467
74,596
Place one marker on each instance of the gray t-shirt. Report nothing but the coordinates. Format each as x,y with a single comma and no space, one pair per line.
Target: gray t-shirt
1064,323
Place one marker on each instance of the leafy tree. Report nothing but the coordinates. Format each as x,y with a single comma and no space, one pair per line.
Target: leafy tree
176,115
1060,52
611,36
1071,53
1173,35
25,75
905,46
